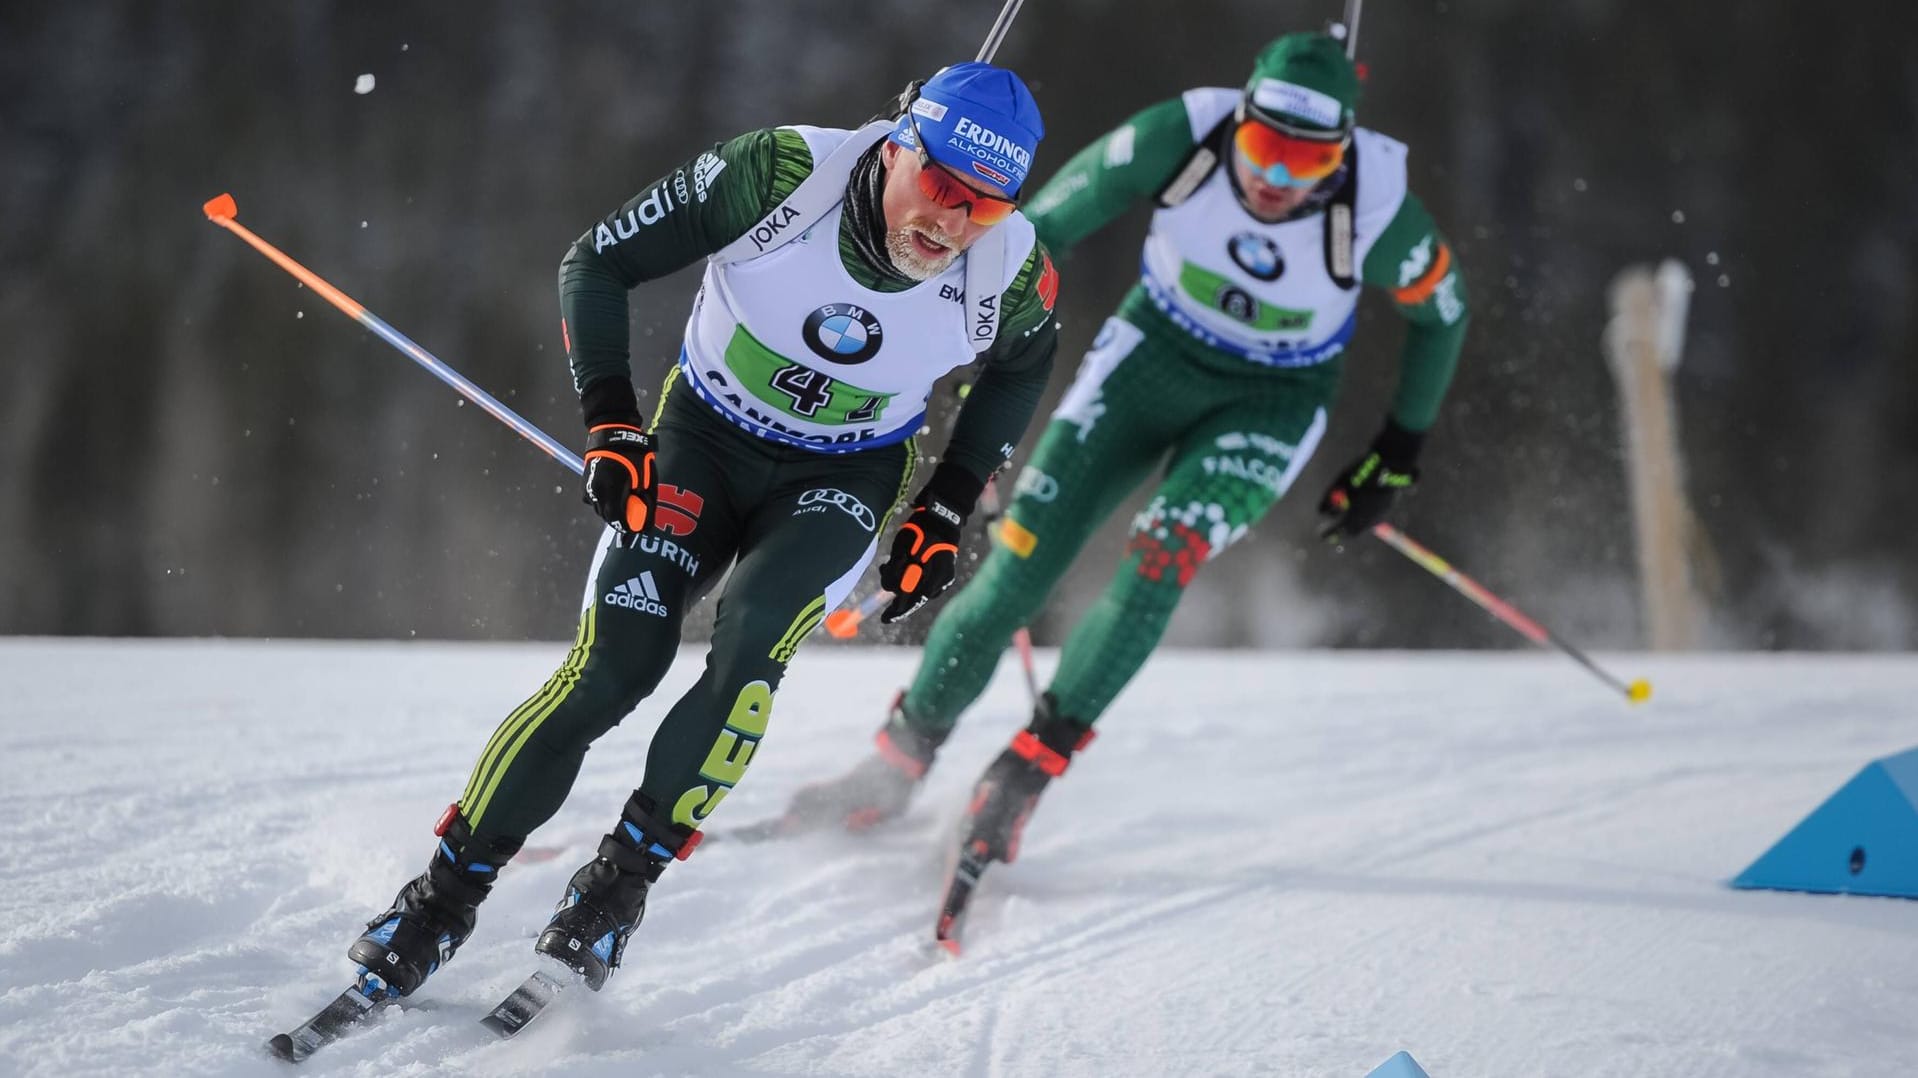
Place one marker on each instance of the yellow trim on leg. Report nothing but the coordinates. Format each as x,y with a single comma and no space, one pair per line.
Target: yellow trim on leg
518,728
809,618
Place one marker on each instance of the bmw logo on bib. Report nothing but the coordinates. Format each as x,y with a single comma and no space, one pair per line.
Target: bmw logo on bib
1256,255
843,333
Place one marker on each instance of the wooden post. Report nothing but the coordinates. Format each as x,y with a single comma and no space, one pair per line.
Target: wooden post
1644,342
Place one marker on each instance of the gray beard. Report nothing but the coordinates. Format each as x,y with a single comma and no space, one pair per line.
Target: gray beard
907,259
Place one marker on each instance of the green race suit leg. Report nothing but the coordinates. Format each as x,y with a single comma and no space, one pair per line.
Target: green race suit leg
804,545
637,595
1227,471
721,492
1103,439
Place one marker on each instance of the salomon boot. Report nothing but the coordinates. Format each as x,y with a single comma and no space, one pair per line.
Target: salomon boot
606,898
433,914
1003,799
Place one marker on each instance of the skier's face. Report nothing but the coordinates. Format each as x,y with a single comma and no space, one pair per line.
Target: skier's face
1277,169
922,236
1266,201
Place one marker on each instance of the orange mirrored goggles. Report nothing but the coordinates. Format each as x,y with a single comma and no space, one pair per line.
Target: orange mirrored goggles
947,191
1287,160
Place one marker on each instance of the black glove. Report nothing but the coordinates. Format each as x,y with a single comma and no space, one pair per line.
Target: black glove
1363,492
925,549
619,457
619,475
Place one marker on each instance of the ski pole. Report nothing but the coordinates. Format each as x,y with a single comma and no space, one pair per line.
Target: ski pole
1351,26
844,622
998,32
1637,691
222,211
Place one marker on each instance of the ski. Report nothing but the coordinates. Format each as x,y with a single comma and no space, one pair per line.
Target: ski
334,1021
971,864
524,1003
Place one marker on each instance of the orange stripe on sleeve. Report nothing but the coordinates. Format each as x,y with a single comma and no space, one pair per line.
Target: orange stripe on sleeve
1421,290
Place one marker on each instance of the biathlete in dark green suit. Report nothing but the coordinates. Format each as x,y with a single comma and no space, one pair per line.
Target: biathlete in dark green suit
1216,373
845,272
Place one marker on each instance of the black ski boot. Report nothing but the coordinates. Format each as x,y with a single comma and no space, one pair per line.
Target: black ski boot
432,915
877,789
606,898
1006,794
1002,802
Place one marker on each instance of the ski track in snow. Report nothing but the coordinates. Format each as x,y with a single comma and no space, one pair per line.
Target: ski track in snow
1290,864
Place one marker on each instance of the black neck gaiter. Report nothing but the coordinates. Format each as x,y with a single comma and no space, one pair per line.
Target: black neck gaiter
866,217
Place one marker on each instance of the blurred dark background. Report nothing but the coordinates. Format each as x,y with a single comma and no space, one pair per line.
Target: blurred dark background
195,445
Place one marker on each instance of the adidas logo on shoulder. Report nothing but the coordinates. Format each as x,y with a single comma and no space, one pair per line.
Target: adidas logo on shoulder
638,593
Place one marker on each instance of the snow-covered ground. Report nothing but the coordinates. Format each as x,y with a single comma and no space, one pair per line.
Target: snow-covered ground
1268,864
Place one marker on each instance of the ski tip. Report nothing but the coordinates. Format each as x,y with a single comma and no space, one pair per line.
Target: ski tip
1639,691
280,1046
221,207
843,624
946,934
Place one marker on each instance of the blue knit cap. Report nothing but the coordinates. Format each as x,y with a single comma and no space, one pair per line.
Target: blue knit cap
978,120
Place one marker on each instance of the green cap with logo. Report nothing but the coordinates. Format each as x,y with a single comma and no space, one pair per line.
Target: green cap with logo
1304,79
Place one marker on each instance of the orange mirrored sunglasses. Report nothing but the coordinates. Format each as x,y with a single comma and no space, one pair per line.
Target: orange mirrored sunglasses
1285,160
944,187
